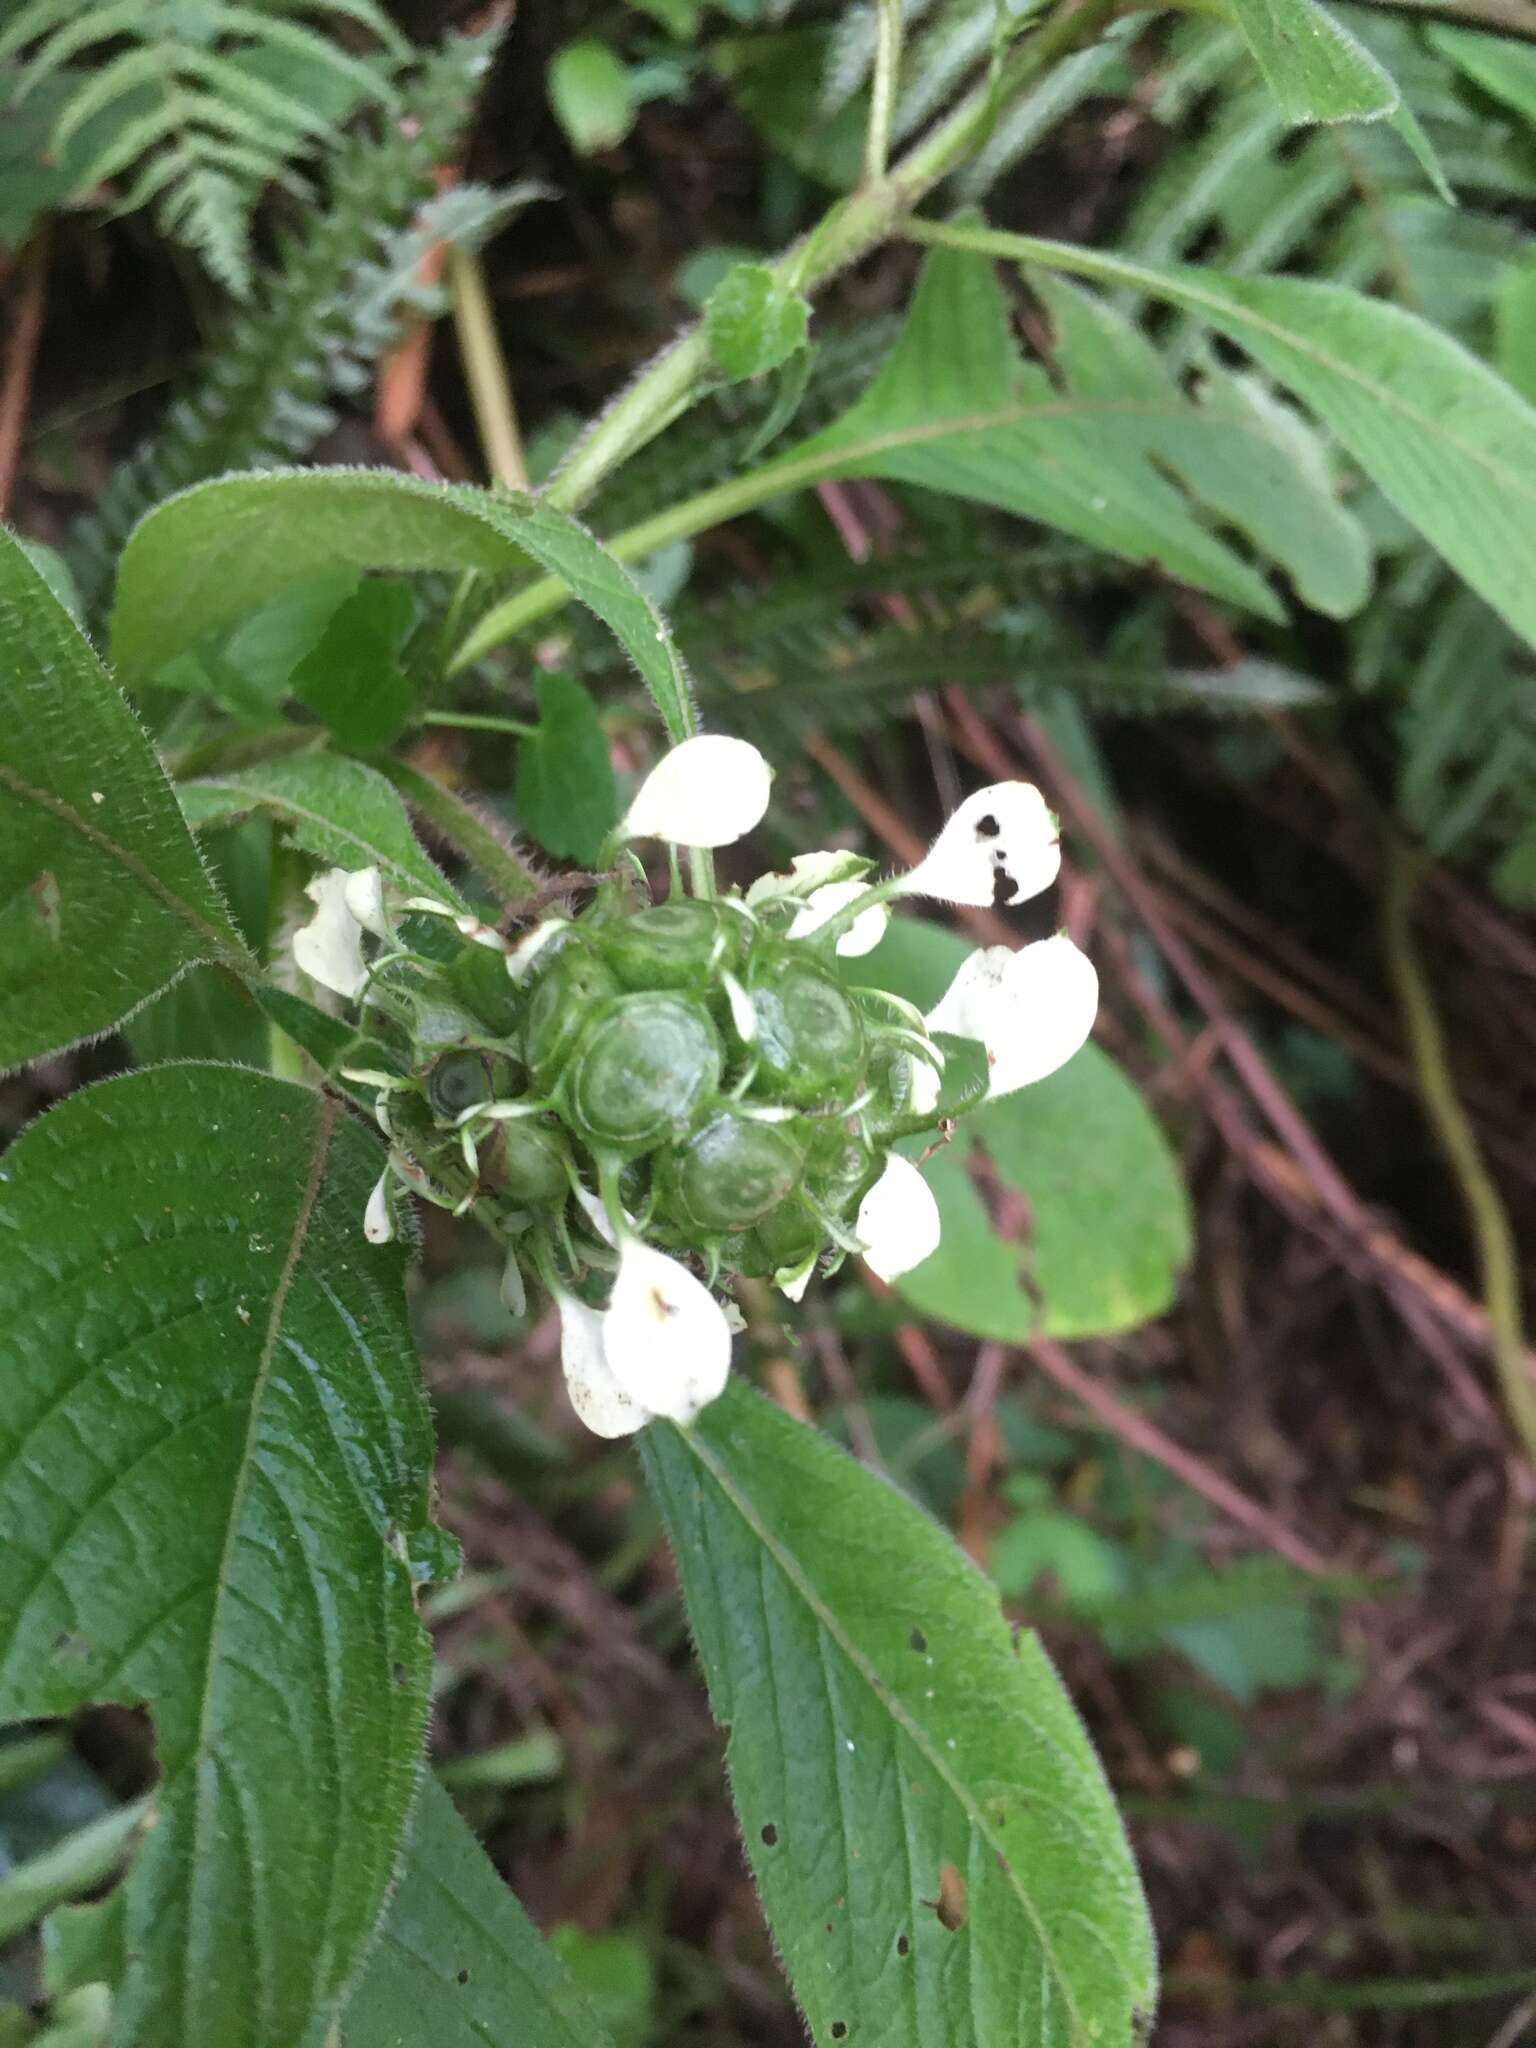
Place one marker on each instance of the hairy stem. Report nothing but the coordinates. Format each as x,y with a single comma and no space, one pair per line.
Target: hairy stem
882,92
485,371
1487,1217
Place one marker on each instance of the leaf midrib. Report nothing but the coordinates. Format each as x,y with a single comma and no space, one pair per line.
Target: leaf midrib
913,1730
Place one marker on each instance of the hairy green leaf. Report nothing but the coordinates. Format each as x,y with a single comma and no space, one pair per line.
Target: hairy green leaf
457,1964
1451,444
220,549
1315,68
590,95
353,677
566,798
937,1851
1104,1227
214,1470
753,322
103,899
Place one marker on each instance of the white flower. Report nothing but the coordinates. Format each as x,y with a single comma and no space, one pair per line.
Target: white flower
1031,1009
330,947
808,872
378,1217
365,899
898,1221
665,1337
595,1394
1001,846
862,936
709,791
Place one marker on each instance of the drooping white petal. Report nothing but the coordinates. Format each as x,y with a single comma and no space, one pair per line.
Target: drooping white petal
379,1217
1031,1009
602,1404
365,900
596,1214
1001,846
665,1336
923,1087
710,791
808,873
330,947
898,1221
862,936
792,1281
743,1014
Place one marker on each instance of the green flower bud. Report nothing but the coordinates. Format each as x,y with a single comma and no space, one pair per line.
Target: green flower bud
562,1003
787,1236
672,945
809,1035
526,1161
731,1173
458,1080
644,1066
479,979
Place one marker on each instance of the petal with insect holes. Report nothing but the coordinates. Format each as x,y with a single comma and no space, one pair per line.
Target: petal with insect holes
1001,847
599,1400
665,1337
898,1221
710,791
330,947
1032,1009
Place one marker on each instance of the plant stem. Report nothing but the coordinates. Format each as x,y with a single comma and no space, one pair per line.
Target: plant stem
1487,1217
850,230
882,92
465,830
479,721
485,371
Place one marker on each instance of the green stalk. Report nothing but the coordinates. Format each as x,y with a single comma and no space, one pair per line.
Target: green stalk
882,91
485,372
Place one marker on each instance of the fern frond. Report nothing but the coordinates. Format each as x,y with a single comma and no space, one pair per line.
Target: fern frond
326,310
212,99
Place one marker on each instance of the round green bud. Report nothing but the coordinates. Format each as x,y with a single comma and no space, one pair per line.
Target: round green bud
526,1161
787,1236
644,1066
671,945
839,1167
730,1173
563,999
809,1036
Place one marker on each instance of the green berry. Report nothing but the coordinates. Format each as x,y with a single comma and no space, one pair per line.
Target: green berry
730,1174
644,1066
561,1004
672,945
526,1161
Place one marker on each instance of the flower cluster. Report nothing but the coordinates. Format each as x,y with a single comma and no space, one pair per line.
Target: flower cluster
649,1098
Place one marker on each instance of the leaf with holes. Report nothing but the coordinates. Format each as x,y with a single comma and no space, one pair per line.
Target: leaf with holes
214,1470
457,1963
339,810
936,1847
103,899
220,549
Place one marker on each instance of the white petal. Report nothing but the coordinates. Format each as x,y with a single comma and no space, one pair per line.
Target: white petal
378,1217
330,947
665,1336
923,1087
862,936
898,1220
1001,846
793,1280
596,1395
743,1015
597,1215
1031,1009
481,933
365,900
808,872
709,791
527,950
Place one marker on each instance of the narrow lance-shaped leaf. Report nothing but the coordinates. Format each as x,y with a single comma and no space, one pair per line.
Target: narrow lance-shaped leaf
457,1963
222,548
103,899
936,1847
214,1471
1448,441
1314,67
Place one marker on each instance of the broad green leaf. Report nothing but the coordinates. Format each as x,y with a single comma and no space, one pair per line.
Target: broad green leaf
248,668
566,798
753,322
937,1850
1238,451
214,1470
352,678
1449,443
1105,1225
457,1963
956,409
1314,67
210,1013
222,548
590,95
103,899
339,810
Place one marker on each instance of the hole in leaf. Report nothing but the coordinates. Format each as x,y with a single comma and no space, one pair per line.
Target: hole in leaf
770,1834
839,2030
462,1977
918,1641
903,1946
